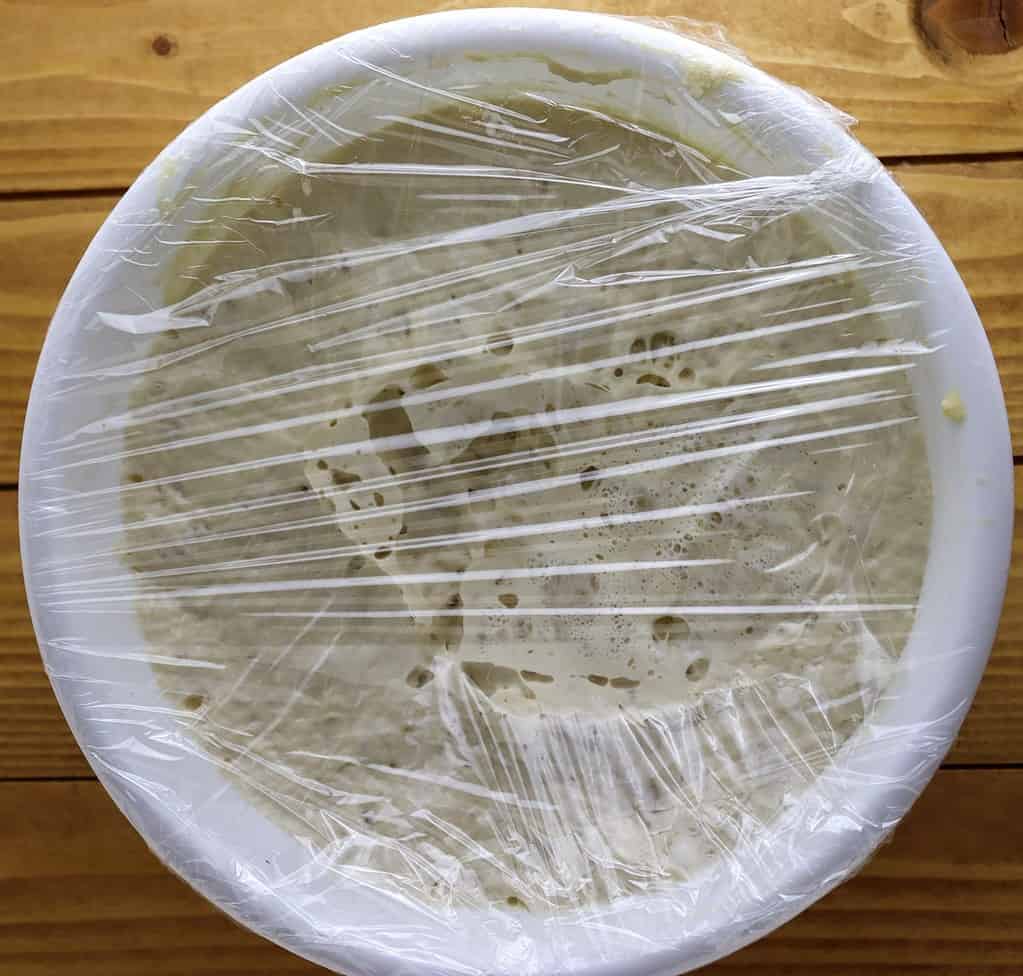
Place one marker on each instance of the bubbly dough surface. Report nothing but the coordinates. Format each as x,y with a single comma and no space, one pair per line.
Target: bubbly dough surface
537,512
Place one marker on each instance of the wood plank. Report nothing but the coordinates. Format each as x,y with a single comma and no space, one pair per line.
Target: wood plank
35,742
90,91
80,893
41,242
34,738
976,210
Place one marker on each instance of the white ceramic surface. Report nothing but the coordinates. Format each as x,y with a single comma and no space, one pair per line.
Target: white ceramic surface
217,846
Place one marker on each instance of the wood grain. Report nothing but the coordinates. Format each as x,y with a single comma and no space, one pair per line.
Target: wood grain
35,742
34,738
79,893
90,91
41,242
972,26
976,210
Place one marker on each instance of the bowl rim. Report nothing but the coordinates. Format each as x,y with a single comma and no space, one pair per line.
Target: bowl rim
892,777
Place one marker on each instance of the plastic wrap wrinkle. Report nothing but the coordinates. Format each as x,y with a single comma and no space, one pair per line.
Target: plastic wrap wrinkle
519,505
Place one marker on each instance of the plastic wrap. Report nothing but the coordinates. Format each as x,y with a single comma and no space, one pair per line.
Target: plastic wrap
480,494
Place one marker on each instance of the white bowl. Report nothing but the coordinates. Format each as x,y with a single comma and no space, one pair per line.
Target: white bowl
261,875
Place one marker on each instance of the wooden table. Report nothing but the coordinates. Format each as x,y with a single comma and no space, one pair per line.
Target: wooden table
90,90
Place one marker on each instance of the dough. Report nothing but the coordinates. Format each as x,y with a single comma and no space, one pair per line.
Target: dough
538,510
